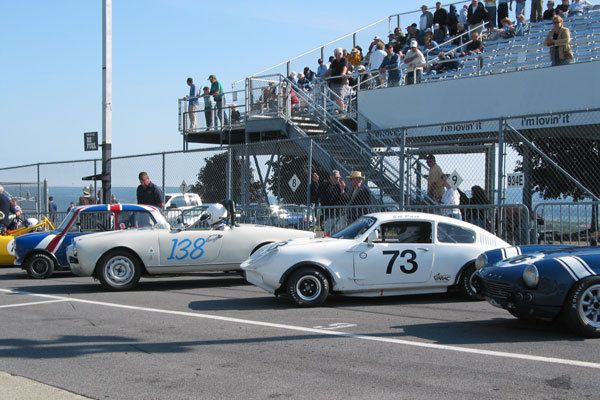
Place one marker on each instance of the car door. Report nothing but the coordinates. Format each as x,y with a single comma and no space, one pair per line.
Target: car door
189,247
403,254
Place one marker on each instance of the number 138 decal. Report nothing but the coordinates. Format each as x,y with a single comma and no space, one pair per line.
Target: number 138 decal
410,261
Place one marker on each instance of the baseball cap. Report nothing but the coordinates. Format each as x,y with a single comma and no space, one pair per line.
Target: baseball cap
211,76
413,43
335,173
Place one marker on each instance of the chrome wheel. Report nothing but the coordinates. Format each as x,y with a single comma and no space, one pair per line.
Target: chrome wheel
589,306
119,270
308,288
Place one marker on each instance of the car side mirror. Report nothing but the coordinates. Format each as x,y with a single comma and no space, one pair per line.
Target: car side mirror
373,237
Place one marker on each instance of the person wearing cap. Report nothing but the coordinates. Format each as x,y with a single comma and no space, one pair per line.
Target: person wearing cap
435,189
208,109
148,192
216,91
360,196
322,69
303,82
451,197
415,61
192,104
391,64
331,193
412,33
309,74
376,58
376,40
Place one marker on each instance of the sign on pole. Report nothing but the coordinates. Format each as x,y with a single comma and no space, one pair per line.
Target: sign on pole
294,183
90,141
516,180
454,180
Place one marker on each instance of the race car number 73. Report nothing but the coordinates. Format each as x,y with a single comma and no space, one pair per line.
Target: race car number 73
181,249
412,256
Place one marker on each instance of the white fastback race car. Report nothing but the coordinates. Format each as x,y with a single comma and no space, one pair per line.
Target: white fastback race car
382,254
118,259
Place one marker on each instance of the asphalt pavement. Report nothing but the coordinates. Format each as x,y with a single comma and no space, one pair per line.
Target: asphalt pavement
219,337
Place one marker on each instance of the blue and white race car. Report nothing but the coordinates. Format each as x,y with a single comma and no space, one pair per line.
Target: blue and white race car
42,253
546,283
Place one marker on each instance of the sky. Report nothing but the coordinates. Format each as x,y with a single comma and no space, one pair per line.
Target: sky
51,69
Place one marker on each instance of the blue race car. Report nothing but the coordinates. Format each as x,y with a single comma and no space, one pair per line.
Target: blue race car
42,253
545,282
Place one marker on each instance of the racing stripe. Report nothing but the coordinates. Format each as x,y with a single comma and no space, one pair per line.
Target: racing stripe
566,267
585,265
115,207
45,241
57,240
509,252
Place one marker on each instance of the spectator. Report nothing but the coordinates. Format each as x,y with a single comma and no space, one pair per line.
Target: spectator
71,206
435,190
507,31
558,40
322,69
373,45
430,48
331,193
310,75
338,70
563,9
503,10
440,17
216,91
293,77
391,64
477,216
477,15
192,104
6,208
550,12
412,33
490,6
361,195
578,7
235,114
148,193
462,38
52,209
444,62
519,8
113,199
475,46
415,61
462,16
86,199
452,21
451,197
522,27
400,37
536,11
355,57
303,82
207,107
426,19
376,59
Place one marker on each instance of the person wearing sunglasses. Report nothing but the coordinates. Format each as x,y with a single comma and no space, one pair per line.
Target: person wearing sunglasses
558,40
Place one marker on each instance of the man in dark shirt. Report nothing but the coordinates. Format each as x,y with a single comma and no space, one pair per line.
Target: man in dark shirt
338,69
477,15
361,195
440,17
332,194
391,64
6,208
148,193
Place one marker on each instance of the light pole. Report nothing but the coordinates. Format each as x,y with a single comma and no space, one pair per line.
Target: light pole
106,98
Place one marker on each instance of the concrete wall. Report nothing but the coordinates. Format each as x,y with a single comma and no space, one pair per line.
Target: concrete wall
567,88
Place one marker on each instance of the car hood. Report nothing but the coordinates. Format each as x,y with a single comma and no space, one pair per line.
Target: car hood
34,237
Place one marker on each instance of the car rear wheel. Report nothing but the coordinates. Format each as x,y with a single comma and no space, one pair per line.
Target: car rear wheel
308,287
470,285
40,266
119,270
582,308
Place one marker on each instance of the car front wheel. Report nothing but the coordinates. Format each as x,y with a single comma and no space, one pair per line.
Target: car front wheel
119,270
308,287
470,285
40,266
582,308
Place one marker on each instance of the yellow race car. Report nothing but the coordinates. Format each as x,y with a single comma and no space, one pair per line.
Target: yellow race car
7,248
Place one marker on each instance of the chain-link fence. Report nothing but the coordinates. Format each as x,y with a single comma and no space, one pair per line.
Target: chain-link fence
528,161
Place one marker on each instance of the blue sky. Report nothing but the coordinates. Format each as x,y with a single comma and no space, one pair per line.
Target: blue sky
51,81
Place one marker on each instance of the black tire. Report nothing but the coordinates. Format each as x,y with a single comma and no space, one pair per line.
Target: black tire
307,287
119,270
469,285
40,266
582,307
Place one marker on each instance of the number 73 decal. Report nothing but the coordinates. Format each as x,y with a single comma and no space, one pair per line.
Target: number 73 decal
408,268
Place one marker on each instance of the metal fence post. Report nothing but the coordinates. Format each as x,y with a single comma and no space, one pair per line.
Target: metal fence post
500,160
39,194
309,175
402,170
228,174
163,176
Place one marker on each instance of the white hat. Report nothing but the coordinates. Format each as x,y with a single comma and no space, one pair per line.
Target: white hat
413,43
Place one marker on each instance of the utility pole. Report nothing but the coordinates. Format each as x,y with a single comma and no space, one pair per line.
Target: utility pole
106,99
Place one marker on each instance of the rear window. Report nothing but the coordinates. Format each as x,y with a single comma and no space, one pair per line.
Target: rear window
448,233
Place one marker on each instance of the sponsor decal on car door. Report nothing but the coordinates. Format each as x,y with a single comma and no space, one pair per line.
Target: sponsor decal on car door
404,253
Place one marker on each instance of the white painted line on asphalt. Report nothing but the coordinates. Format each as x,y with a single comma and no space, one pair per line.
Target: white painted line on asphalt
468,350
35,303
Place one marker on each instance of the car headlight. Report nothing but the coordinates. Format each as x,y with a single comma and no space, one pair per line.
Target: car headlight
266,251
74,249
480,261
531,276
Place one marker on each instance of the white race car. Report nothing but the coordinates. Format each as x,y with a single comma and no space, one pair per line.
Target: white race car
382,254
118,259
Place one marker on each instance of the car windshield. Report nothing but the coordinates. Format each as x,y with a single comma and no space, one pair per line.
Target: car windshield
65,221
356,229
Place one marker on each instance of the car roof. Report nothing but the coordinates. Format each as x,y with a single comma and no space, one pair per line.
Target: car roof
401,215
116,207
